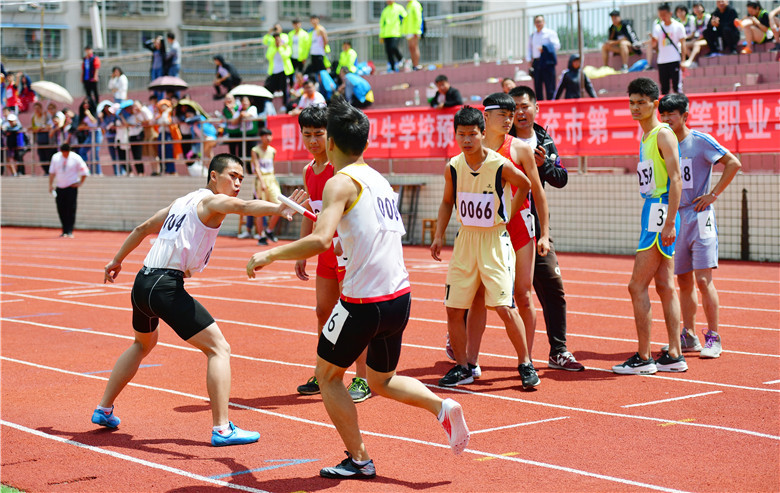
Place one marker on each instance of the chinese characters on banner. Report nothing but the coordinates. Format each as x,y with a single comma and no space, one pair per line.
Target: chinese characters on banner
740,121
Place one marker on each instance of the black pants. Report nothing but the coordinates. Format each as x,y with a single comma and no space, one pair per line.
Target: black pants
392,51
278,82
669,72
548,285
728,36
317,63
544,77
66,208
137,150
90,89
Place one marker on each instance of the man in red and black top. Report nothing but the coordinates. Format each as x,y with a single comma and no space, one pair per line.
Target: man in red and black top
89,74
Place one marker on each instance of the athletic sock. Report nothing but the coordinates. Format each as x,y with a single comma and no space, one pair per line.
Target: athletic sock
223,430
361,463
107,410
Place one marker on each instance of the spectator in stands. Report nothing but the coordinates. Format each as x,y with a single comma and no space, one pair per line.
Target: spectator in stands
621,39
310,97
40,126
227,77
448,95
412,28
173,56
15,143
90,67
157,67
774,19
687,20
697,42
570,81
355,89
170,137
231,113
280,67
300,44
756,26
117,84
347,58
137,119
57,121
390,32
26,95
250,125
721,33
108,121
12,101
318,47
669,39
507,84
203,132
88,133
543,46
268,39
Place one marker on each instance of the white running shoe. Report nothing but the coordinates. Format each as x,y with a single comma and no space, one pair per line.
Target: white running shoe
454,425
712,347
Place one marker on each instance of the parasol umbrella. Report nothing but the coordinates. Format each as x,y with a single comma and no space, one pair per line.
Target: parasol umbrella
105,103
252,90
50,90
168,83
194,105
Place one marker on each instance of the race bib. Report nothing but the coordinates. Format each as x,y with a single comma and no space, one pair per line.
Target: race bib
476,209
386,207
332,328
172,225
316,206
657,217
706,221
686,170
528,218
646,179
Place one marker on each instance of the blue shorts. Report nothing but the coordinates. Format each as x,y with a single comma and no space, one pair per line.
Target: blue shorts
647,238
697,242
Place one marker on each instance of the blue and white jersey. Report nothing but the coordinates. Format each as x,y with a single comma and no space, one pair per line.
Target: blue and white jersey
698,152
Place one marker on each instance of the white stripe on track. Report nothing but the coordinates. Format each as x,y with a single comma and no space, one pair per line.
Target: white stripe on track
326,425
673,399
130,458
518,425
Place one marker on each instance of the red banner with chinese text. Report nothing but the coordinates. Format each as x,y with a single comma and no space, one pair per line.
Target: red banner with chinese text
740,121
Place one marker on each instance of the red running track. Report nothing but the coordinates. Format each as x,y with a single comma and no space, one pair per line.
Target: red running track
714,428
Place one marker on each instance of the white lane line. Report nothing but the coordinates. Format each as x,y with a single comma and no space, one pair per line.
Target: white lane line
772,382
673,399
9,301
328,425
130,458
519,424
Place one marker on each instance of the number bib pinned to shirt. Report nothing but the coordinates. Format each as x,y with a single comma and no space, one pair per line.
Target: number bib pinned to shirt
706,220
686,172
476,209
171,226
528,218
316,206
646,179
332,328
386,208
657,217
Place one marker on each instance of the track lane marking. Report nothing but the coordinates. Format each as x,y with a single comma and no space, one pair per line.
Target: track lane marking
130,458
673,399
487,430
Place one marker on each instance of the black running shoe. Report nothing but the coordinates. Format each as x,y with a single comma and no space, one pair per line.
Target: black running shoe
271,236
347,469
311,387
528,375
457,376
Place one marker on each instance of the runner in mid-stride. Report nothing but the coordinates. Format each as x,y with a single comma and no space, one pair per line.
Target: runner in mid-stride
374,306
187,231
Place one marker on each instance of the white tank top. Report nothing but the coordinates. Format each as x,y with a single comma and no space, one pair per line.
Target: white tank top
317,44
370,233
184,242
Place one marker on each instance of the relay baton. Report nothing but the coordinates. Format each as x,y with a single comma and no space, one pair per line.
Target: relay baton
297,207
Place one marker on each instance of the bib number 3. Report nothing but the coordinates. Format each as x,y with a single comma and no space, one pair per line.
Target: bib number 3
657,217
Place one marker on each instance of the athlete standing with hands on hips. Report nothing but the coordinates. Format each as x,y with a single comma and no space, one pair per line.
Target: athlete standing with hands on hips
188,229
374,307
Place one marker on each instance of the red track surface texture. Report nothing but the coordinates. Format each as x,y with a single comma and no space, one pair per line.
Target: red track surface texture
714,428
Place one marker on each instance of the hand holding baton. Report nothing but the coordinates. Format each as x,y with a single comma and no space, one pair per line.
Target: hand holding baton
297,207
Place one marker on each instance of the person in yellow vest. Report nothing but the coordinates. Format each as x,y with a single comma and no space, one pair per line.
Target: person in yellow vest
660,185
347,58
390,32
268,39
279,66
300,43
412,28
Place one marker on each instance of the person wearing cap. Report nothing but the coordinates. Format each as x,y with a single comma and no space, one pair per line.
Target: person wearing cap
13,134
543,45
621,39
570,81
66,174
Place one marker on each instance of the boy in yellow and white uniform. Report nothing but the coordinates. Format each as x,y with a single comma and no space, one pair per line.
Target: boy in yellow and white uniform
476,183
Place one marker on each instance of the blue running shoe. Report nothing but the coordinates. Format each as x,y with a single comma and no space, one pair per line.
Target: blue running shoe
237,437
108,420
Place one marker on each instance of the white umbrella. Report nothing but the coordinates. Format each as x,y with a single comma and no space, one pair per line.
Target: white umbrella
50,90
105,103
251,90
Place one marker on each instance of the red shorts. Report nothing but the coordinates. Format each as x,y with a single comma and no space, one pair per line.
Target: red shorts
328,267
519,231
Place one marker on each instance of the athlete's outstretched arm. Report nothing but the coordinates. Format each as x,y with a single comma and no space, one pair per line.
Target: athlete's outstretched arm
445,212
150,226
225,204
338,194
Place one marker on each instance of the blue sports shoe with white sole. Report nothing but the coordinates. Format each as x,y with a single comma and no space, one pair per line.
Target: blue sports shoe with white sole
237,437
108,420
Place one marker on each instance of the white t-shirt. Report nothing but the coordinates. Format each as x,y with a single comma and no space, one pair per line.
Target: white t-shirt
69,171
184,242
668,52
317,100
